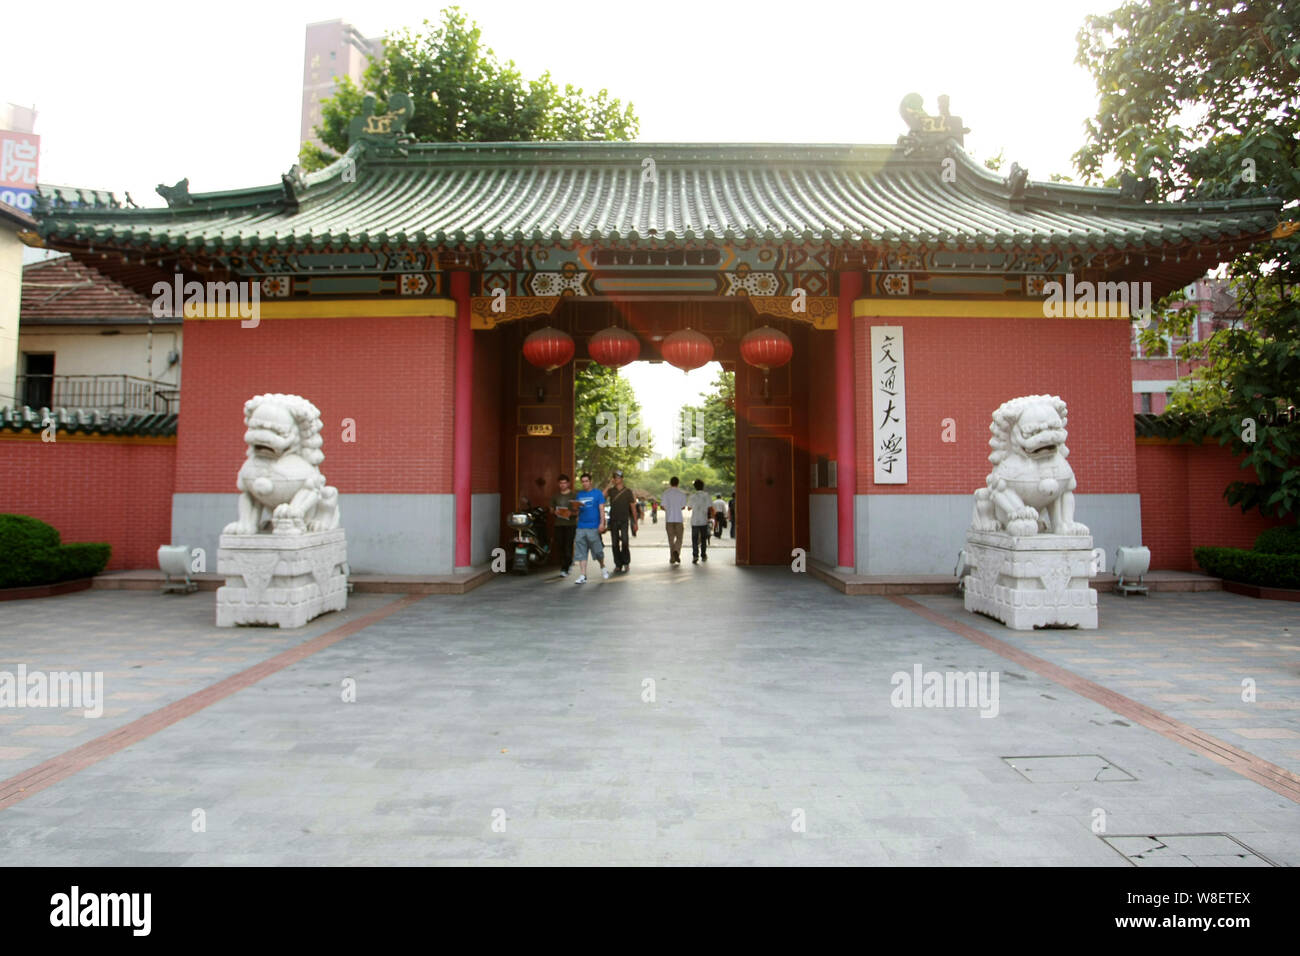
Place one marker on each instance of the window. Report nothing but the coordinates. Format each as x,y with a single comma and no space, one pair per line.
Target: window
38,379
1146,403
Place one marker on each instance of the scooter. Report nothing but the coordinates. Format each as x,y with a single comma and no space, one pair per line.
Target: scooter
531,542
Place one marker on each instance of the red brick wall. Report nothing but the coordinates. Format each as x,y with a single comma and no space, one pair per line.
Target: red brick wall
1183,505
392,376
486,476
964,368
94,489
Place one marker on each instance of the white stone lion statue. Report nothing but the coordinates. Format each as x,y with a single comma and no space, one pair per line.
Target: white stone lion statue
281,484
1031,486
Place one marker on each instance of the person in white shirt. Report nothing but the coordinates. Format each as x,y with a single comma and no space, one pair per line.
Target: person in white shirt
701,506
719,517
674,499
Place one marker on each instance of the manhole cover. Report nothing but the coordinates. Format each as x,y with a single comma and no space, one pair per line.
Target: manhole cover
1186,849
1068,768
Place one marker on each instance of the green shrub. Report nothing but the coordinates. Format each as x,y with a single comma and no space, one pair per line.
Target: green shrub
1251,567
1281,540
30,554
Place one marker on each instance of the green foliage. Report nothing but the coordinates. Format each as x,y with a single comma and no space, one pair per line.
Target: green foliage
607,430
463,93
30,554
655,479
715,421
1204,99
1284,539
1250,567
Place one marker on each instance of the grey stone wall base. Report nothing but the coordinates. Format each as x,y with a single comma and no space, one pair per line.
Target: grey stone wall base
1032,581
283,579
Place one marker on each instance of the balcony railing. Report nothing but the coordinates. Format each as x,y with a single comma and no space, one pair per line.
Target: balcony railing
109,393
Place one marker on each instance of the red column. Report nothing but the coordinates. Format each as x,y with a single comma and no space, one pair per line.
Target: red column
845,422
463,445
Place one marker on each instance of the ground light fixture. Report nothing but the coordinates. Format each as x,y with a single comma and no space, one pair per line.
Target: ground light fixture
1130,565
174,561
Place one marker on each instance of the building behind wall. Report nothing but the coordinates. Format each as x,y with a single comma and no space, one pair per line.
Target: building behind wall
333,49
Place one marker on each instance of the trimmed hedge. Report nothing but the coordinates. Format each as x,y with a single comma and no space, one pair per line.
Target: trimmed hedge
1251,567
30,554
1281,540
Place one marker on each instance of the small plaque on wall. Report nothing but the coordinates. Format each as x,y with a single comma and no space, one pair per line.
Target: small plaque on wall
539,429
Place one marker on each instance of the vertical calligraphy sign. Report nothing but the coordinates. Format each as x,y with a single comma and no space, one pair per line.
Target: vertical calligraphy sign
888,407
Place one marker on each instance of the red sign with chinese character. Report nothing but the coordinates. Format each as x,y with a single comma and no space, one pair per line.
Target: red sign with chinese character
19,153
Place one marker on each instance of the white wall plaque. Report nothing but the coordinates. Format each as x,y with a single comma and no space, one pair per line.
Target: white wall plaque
888,406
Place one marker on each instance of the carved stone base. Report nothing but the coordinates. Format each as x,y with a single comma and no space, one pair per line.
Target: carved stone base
284,579
1034,581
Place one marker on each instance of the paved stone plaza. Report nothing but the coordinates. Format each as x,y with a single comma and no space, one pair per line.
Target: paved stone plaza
511,725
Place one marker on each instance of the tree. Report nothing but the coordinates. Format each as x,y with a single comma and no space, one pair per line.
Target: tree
656,478
463,93
1203,99
715,422
607,428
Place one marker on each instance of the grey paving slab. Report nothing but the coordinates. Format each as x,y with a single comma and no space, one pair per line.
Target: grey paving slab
515,726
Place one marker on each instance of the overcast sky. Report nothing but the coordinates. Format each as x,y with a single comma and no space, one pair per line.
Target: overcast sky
130,95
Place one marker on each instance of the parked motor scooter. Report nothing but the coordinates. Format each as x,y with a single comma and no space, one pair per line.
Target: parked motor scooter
531,542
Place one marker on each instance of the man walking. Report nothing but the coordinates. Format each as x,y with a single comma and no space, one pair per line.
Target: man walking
719,516
622,514
674,500
566,523
591,525
701,514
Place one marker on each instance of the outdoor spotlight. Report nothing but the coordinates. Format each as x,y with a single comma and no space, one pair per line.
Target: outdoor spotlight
1131,564
174,561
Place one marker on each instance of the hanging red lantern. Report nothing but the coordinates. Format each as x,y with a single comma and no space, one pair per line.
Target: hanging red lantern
687,349
766,348
548,348
614,347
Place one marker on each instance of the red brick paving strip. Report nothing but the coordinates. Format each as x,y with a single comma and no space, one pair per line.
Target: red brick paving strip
23,785
1278,779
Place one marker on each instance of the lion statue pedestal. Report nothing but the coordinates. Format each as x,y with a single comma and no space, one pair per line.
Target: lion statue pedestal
1030,560
286,556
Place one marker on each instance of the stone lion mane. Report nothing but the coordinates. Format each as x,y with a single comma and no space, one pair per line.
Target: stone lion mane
1008,414
305,415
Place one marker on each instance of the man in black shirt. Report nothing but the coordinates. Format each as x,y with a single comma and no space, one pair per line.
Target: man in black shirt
622,515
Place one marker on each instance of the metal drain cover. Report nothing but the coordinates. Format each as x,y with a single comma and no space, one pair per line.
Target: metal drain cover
1068,768
1186,849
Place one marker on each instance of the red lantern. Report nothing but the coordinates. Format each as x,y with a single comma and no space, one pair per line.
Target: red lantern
687,349
614,347
766,348
548,348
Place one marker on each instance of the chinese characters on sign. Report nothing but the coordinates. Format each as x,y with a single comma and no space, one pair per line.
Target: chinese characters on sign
18,156
888,405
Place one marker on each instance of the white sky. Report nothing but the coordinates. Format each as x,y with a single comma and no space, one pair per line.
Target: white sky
130,95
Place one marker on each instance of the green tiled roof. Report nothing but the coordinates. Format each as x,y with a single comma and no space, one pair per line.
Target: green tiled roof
656,194
24,418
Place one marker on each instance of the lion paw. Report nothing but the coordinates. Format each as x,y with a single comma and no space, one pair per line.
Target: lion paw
1074,527
1022,527
236,527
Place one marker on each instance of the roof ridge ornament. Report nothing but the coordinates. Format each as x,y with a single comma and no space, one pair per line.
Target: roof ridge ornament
384,128
926,131
178,195
1131,187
